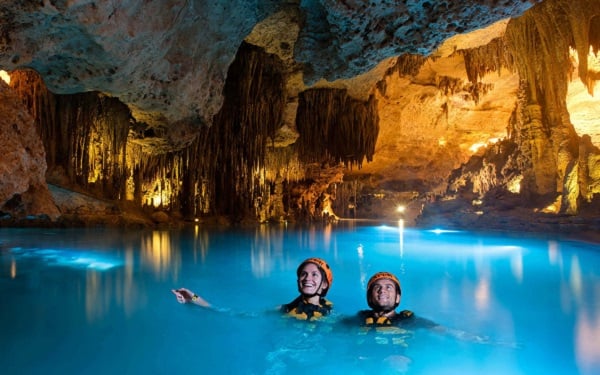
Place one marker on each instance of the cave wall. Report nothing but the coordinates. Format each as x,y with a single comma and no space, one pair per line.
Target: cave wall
233,169
23,189
548,147
276,150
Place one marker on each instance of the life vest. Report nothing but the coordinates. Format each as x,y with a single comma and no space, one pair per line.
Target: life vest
386,330
371,320
302,310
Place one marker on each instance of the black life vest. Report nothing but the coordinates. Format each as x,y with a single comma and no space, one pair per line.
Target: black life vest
302,310
369,318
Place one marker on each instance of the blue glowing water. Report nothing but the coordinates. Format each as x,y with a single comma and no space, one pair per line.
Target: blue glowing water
99,302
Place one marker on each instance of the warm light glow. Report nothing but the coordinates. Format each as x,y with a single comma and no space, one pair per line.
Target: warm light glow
476,146
482,294
401,208
553,208
583,106
157,252
587,340
327,209
262,253
514,185
5,76
13,269
442,141
576,280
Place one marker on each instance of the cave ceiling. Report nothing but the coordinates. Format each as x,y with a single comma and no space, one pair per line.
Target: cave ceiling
168,59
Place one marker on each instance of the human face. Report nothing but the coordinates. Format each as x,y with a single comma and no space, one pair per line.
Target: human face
310,280
384,294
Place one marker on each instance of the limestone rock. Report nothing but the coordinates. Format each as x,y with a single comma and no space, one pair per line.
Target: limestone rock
168,60
23,188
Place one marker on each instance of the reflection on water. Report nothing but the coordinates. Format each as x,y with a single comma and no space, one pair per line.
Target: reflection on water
266,250
473,281
516,266
200,244
13,268
575,279
587,338
482,294
575,296
159,254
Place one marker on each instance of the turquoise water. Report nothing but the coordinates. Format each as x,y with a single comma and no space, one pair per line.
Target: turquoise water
82,301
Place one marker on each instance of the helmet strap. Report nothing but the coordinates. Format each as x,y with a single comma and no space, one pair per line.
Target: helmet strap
314,294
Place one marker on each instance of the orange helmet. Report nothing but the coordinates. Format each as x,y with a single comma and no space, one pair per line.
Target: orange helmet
379,276
323,267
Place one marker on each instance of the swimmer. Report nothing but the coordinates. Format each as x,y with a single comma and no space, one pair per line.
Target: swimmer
314,278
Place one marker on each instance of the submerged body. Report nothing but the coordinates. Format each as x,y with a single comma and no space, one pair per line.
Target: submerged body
96,317
314,278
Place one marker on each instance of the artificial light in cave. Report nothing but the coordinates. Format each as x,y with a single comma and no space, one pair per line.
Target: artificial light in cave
552,208
327,209
514,185
158,193
475,147
583,106
5,76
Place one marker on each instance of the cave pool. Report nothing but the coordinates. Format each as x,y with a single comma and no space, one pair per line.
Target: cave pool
98,301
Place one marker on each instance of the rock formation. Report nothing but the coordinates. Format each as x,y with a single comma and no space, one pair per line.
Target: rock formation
286,110
23,188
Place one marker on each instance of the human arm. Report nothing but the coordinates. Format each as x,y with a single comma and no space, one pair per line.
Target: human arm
184,295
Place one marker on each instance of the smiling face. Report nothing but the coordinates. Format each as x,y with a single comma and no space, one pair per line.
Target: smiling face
310,281
384,295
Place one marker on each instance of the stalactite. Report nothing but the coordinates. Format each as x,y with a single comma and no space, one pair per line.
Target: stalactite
85,135
283,161
594,34
406,65
584,33
251,113
335,127
540,42
450,86
42,104
491,57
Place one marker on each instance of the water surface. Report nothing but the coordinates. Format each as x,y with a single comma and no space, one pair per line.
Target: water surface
78,301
